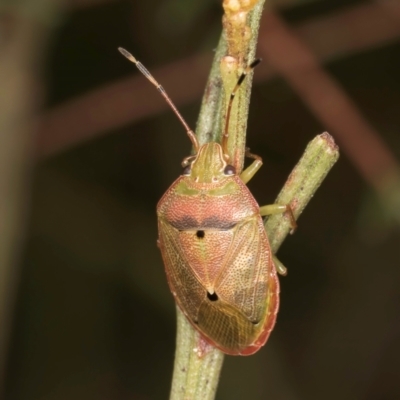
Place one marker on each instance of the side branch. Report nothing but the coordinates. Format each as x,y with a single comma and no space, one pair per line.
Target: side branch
319,157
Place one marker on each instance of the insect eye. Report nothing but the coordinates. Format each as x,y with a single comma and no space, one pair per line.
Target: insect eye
186,170
230,170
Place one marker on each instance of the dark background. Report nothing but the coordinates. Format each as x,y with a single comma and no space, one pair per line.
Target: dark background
94,318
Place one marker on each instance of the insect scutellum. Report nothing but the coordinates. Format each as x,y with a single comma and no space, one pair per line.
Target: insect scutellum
192,136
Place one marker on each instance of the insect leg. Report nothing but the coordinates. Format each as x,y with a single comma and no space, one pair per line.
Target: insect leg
251,170
271,209
280,268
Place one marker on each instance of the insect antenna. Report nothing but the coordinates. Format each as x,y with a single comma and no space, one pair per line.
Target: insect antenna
150,77
225,136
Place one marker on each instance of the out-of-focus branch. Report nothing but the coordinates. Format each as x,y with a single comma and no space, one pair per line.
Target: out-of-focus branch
92,3
88,3
298,65
22,41
118,104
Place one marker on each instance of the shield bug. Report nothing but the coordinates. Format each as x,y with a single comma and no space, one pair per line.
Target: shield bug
216,253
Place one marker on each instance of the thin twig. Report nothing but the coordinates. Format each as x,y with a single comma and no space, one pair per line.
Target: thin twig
196,377
317,160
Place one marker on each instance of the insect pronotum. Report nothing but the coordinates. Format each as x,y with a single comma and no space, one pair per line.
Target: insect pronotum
217,256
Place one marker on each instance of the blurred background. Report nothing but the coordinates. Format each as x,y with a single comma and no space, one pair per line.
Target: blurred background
88,147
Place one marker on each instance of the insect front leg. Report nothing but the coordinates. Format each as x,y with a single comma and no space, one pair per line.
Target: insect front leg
252,169
270,209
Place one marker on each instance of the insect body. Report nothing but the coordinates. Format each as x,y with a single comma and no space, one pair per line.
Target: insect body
216,253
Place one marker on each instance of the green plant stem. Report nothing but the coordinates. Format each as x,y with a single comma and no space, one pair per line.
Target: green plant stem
209,123
210,116
195,377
